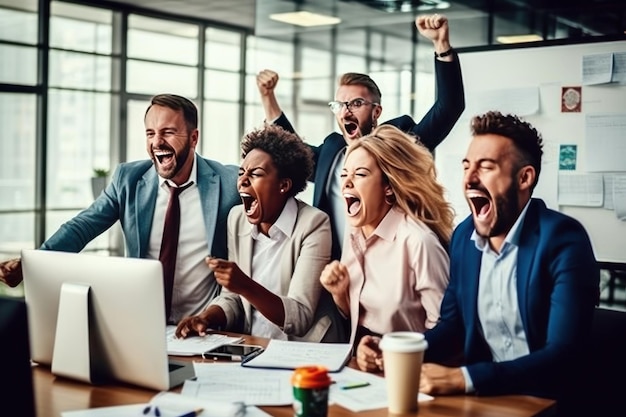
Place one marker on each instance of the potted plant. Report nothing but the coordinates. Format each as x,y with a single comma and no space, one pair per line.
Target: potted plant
99,181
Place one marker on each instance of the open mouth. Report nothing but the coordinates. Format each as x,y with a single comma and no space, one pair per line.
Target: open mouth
351,128
482,205
353,204
249,203
164,156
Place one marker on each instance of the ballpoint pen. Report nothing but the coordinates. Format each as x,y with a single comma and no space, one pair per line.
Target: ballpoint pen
193,413
352,385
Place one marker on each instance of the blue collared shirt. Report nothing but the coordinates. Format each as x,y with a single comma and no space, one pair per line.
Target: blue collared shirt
498,308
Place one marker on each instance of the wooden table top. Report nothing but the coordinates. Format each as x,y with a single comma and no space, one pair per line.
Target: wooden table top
54,395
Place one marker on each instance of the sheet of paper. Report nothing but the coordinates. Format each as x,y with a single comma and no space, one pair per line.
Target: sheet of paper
619,196
171,404
605,141
290,355
521,101
370,397
585,190
232,382
597,68
619,67
195,345
608,191
137,410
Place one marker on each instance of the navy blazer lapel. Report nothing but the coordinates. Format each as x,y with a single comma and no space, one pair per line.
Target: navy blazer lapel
528,243
471,268
209,189
330,148
145,202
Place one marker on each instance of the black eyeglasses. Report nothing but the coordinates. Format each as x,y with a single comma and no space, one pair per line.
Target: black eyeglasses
352,105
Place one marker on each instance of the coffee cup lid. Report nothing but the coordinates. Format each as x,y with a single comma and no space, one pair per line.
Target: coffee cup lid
403,342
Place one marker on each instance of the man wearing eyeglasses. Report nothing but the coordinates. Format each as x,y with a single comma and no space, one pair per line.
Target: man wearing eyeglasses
357,107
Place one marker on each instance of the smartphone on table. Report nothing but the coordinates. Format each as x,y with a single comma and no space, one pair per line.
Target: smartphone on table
235,352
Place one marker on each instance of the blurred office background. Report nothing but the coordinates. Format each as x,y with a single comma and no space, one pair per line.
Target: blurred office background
77,76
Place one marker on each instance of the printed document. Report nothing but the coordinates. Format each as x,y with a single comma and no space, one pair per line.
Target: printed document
232,382
195,345
283,354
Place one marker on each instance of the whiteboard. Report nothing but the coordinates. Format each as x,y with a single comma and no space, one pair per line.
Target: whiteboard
541,71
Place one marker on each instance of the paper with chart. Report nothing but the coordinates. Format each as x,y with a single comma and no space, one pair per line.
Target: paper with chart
195,345
283,354
232,382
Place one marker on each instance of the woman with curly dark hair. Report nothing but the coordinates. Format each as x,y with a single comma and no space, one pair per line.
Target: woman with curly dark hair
277,247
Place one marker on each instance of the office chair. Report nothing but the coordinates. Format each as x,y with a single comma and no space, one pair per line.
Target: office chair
16,383
606,367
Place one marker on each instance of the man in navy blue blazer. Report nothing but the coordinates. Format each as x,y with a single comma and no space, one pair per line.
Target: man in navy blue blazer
138,195
357,107
523,278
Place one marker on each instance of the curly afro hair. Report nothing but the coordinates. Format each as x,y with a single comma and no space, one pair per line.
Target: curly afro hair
292,157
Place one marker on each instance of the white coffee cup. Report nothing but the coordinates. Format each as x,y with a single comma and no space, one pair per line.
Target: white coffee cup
403,353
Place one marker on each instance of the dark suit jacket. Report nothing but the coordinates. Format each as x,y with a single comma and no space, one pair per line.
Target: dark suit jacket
431,130
557,289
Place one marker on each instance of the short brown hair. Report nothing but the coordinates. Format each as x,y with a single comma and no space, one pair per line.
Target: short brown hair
527,140
178,103
354,78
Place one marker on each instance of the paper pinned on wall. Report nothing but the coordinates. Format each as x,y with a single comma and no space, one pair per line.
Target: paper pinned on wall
585,190
619,68
520,101
619,196
597,68
605,134
608,191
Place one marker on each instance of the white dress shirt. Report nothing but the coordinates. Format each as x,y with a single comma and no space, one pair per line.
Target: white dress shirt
266,262
194,285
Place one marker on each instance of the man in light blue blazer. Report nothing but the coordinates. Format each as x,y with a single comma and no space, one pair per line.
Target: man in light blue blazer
523,278
138,195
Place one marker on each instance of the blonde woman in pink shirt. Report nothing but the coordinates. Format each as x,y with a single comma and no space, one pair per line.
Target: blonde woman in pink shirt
394,265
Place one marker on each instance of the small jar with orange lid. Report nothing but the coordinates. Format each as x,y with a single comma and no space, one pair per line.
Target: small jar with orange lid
310,391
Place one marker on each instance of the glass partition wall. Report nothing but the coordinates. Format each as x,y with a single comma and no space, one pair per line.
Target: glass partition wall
76,78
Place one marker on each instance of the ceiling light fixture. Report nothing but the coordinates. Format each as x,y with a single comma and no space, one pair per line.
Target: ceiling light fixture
305,19
519,38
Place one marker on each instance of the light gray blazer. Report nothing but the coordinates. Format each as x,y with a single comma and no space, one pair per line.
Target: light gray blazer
130,198
309,316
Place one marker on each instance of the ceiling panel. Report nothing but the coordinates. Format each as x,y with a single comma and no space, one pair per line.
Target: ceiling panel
469,22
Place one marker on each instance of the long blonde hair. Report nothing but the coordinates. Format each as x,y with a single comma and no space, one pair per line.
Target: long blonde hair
409,169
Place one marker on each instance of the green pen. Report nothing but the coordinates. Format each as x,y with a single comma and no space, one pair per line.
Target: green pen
352,385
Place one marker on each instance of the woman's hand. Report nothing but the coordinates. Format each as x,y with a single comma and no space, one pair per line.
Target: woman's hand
369,357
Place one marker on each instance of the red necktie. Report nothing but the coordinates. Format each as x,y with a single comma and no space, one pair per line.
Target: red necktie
169,244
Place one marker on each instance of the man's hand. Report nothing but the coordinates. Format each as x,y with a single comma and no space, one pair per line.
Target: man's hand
441,380
435,28
266,81
11,272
